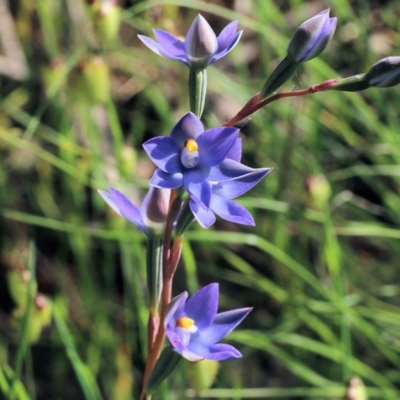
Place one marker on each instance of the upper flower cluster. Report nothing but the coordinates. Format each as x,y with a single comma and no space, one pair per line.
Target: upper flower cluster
207,164
201,46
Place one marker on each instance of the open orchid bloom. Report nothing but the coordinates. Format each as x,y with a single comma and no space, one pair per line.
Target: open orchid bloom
194,158
194,327
201,46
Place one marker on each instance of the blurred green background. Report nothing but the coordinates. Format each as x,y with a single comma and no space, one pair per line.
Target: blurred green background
79,94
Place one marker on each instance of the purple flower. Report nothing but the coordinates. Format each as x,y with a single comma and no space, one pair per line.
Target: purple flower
200,48
221,195
193,326
312,36
385,72
195,158
151,216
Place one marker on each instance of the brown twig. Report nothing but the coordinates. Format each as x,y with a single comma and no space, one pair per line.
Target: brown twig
254,104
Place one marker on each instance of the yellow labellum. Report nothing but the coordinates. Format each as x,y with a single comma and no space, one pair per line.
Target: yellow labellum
185,322
191,145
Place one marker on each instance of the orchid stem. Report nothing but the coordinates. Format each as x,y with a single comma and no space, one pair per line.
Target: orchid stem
168,273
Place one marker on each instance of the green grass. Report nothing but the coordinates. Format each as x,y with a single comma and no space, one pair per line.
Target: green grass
322,273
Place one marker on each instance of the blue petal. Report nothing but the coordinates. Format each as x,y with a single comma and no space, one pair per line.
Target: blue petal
200,349
221,352
235,153
231,211
164,180
190,356
227,35
214,145
151,44
164,152
224,45
123,206
223,324
202,306
198,187
227,170
174,309
204,217
170,46
230,189
188,127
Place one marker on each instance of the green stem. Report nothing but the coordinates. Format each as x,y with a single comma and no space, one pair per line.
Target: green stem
25,329
154,260
197,90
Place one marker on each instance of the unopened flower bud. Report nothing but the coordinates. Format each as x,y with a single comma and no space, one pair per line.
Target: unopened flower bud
385,72
95,79
107,21
154,209
355,390
319,189
312,36
201,43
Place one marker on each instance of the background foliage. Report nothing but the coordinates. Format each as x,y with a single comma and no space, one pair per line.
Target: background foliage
321,266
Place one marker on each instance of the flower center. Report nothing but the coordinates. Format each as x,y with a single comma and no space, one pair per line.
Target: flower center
190,153
186,323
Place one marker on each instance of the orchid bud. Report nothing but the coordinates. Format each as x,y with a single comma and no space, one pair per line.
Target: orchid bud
107,21
154,209
385,73
95,79
319,189
355,390
201,43
311,38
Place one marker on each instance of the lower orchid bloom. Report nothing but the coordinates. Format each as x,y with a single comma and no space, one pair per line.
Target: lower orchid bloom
193,326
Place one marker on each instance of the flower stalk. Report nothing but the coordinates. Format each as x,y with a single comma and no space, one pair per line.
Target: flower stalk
197,90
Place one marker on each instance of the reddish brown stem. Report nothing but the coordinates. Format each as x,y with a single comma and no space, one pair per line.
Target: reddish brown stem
155,348
254,104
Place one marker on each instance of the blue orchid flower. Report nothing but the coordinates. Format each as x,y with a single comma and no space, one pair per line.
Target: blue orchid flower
194,327
194,158
201,46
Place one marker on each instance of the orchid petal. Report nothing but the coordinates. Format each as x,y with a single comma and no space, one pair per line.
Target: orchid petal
224,51
231,211
175,308
203,305
228,170
198,187
164,180
170,46
223,324
230,189
188,127
164,152
222,351
214,145
227,35
123,206
204,217
235,153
